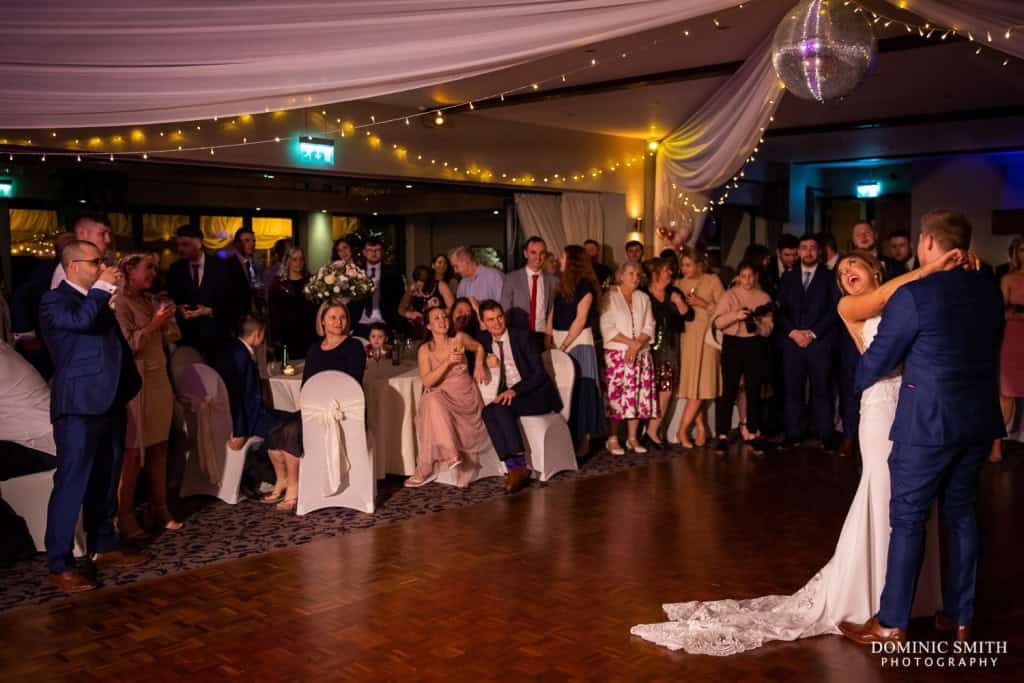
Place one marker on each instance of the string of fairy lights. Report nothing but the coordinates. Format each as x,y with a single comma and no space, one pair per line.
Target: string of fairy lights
176,135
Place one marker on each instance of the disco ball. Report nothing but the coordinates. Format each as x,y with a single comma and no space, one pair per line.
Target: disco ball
822,49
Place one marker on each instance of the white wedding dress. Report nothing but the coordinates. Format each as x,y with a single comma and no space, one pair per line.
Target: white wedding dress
848,588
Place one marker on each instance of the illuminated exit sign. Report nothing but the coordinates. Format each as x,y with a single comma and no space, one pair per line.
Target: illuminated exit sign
316,150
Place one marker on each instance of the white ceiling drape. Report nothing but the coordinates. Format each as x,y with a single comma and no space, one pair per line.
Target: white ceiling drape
977,18
67,63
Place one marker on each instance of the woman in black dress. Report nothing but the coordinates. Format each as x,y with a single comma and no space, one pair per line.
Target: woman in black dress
426,292
291,313
338,350
670,310
570,325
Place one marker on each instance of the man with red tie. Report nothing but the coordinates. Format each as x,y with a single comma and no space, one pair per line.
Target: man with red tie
528,293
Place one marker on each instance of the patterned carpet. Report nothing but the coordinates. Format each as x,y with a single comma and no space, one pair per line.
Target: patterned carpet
216,532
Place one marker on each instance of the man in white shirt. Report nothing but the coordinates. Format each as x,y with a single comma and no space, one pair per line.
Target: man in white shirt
88,227
528,294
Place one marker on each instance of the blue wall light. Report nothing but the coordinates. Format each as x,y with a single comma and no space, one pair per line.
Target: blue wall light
869,189
316,150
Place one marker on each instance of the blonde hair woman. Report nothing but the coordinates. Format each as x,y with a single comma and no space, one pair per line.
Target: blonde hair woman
700,369
1011,355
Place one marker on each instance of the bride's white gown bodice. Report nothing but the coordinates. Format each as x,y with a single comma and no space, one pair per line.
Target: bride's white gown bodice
847,588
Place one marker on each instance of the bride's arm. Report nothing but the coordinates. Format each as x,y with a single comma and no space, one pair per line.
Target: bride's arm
860,307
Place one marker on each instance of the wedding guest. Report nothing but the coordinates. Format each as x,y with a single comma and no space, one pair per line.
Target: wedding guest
634,252
443,272
902,250
671,258
627,326
828,248
785,260
464,318
382,305
148,326
25,309
245,277
337,350
760,257
700,372
277,256
378,348
865,238
291,313
198,286
746,326
595,252
551,264
95,379
425,292
236,365
342,250
449,428
527,294
1011,355
479,283
807,319
1004,268
90,226
524,388
570,324
24,403
670,311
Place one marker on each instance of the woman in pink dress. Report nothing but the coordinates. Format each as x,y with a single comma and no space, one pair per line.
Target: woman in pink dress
449,426
1011,357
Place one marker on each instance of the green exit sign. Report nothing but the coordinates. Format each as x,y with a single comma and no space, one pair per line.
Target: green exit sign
6,188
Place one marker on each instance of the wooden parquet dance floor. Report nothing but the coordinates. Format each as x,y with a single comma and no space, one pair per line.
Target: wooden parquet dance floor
540,586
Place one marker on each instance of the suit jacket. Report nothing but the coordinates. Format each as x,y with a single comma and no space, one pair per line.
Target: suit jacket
392,288
94,370
534,384
891,268
245,393
946,330
515,298
815,309
204,333
769,280
239,299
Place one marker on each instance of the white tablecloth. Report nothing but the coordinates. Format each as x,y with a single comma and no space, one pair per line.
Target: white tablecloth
392,399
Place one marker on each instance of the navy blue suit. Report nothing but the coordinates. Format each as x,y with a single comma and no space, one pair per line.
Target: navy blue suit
812,309
94,379
245,393
535,394
946,331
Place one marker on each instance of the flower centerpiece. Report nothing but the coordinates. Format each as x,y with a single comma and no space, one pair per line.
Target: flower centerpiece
342,280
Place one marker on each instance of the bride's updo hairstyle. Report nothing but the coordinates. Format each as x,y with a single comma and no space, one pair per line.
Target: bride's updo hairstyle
867,259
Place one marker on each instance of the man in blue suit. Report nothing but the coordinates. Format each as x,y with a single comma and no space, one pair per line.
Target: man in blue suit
807,324
945,330
524,388
94,378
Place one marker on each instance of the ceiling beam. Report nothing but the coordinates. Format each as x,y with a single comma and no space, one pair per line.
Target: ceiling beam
724,69
900,121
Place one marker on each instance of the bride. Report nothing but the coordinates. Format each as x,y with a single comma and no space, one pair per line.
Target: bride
849,586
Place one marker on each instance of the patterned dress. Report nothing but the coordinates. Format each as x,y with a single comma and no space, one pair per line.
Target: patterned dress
630,387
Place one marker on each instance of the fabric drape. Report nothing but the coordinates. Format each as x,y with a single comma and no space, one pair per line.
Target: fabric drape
707,149
559,220
65,63
328,418
977,18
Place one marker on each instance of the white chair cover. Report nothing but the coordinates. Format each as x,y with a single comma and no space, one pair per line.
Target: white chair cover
563,373
337,466
362,340
182,358
212,469
29,496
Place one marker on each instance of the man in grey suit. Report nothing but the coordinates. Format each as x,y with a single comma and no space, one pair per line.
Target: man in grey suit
528,294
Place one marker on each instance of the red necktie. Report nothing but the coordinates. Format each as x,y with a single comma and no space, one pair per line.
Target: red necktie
533,302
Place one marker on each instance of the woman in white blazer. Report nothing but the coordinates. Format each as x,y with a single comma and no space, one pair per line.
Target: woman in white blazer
627,326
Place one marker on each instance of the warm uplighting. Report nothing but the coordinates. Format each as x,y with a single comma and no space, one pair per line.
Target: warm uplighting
439,119
652,145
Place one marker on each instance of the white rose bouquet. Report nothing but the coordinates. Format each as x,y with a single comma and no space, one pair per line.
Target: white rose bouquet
342,280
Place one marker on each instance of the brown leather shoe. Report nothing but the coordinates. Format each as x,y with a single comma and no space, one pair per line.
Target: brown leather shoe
72,581
959,632
119,559
517,480
872,632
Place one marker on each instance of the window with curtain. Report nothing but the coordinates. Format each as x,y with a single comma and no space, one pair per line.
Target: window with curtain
158,232
32,232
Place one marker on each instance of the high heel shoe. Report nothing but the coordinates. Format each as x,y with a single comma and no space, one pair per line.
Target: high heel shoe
635,447
614,447
701,437
684,442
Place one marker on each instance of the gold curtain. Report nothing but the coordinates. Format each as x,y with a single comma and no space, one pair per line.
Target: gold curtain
219,231
270,230
343,225
159,227
32,232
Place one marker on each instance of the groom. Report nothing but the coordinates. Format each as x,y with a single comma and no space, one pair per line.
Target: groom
945,330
